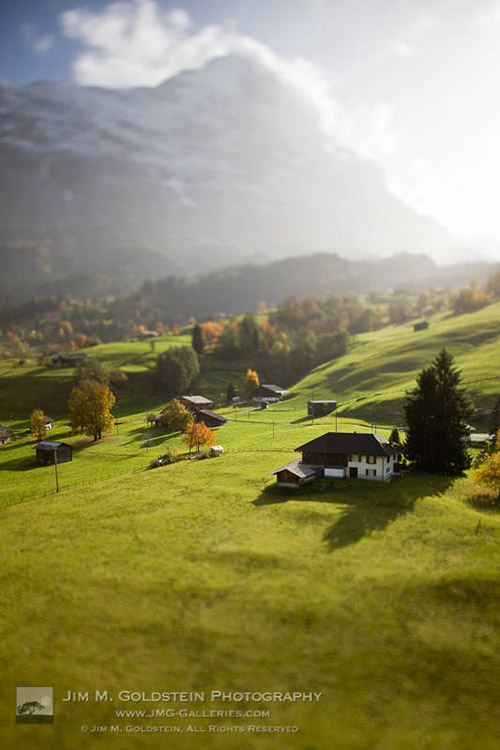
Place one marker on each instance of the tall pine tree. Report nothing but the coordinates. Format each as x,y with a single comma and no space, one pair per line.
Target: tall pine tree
436,413
197,339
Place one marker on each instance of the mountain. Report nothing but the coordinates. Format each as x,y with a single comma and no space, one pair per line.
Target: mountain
241,288
225,164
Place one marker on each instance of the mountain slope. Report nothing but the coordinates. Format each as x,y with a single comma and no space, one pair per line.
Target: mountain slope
223,164
370,381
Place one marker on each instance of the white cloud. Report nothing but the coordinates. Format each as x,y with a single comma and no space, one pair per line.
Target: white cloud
402,49
407,45
134,43
39,43
491,15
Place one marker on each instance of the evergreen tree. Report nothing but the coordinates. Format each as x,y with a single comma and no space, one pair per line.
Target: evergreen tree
436,413
394,437
230,393
197,339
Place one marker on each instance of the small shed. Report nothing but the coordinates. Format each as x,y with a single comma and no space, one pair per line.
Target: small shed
295,474
422,326
210,419
320,408
48,450
6,434
216,450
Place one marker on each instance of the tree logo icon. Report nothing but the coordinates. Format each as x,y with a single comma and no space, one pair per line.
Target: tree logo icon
34,705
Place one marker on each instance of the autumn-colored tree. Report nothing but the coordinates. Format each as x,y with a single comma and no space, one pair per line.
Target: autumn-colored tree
488,472
251,383
89,408
199,435
176,417
38,427
81,340
211,332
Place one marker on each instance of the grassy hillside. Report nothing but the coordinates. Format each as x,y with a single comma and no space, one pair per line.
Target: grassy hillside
370,381
202,575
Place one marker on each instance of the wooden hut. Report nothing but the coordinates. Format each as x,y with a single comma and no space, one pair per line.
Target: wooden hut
320,408
47,451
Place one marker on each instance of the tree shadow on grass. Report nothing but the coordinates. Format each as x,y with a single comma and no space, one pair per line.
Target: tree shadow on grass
366,507
485,502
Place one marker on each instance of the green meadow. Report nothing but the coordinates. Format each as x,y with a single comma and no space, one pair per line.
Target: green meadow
202,575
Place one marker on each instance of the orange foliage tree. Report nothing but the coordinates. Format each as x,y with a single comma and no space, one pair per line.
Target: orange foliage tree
199,435
251,383
211,332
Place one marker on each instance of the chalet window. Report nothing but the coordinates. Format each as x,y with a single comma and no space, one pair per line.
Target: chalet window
371,459
355,458
371,472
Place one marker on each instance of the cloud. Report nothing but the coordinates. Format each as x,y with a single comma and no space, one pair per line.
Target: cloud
39,43
491,15
407,45
135,43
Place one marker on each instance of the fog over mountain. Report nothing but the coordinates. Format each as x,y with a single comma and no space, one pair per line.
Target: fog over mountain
223,165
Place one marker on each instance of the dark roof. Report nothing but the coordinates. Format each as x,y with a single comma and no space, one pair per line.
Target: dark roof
271,387
6,430
50,445
323,401
351,442
298,468
211,414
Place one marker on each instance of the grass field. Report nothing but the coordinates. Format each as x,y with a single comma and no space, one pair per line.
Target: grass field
202,575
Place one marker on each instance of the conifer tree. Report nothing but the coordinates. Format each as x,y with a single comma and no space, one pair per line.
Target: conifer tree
436,414
197,339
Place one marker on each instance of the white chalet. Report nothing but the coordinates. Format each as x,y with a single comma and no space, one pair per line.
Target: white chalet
351,455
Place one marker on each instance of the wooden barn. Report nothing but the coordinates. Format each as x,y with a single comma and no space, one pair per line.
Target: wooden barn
194,403
320,408
6,434
422,326
295,474
211,420
47,451
68,360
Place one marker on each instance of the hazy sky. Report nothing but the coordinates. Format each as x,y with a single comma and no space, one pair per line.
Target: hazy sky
414,85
